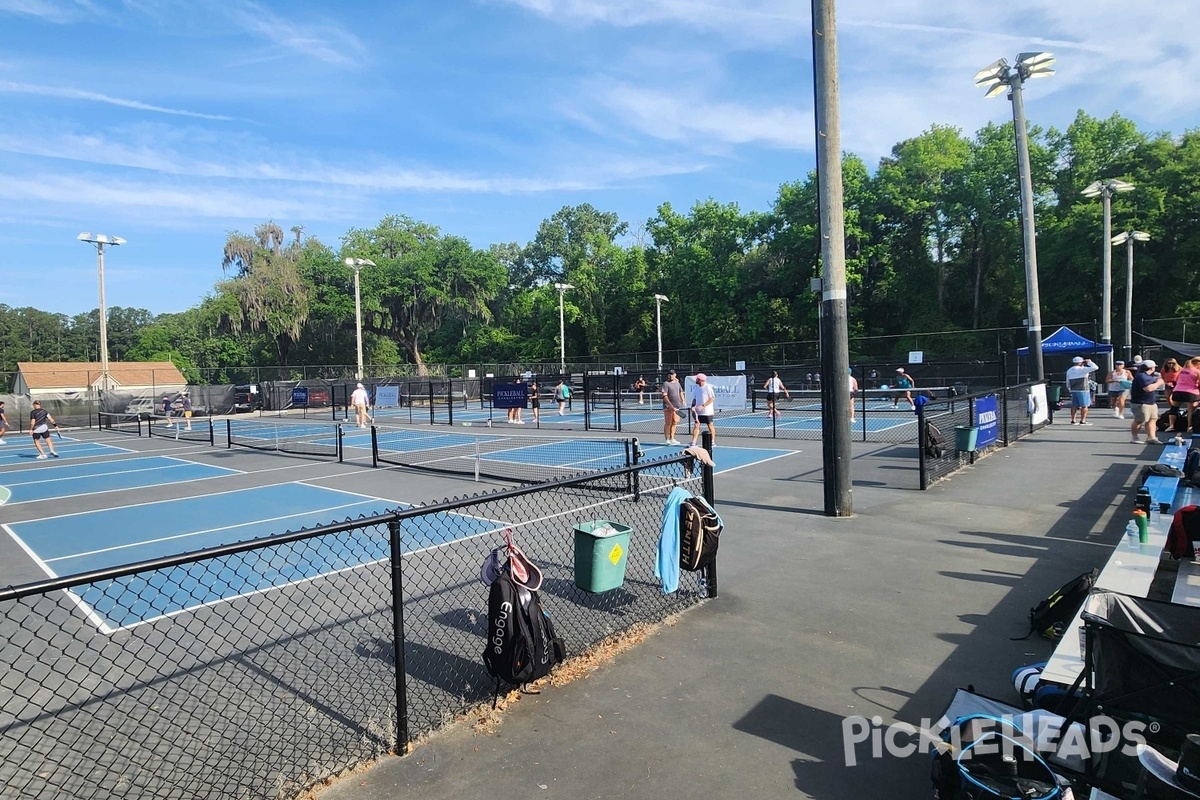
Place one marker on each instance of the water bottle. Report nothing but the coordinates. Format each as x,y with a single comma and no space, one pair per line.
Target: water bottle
1131,534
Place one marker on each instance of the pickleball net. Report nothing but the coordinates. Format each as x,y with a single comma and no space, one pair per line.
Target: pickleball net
119,422
181,429
518,458
320,440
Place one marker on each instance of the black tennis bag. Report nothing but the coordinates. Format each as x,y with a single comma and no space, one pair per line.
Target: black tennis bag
1051,616
699,534
935,442
522,645
982,757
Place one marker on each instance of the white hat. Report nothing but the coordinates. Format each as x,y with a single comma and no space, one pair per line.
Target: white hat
360,386
1148,364
899,369
1077,360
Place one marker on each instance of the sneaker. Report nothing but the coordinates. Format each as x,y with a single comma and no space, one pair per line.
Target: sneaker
41,457
675,442
1135,440
1153,440
1073,422
1085,423
2,441
56,454
520,422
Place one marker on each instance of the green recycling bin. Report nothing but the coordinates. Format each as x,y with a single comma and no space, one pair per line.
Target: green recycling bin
965,438
601,547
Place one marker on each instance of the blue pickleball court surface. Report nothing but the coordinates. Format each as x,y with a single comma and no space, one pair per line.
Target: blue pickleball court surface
76,543
58,479
18,449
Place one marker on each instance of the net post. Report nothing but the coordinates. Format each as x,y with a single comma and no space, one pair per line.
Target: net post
211,437
431,409
341,445
228,434
397,550
374,446
635,477
476,459
450,400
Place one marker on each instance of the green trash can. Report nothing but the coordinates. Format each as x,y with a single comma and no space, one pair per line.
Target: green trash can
965,438
601,548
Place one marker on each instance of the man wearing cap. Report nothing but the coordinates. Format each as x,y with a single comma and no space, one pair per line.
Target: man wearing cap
360,400
1079,378
1119,383
672,402
904,383
1143,396
703,407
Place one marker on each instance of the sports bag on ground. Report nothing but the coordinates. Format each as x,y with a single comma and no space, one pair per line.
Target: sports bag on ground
983,757
699,534
522,645
935,443
1051,616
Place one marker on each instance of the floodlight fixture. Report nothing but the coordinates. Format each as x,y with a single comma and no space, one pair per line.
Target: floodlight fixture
659,299
995,78
1127,238
356,264
1105,190
100,241
562,335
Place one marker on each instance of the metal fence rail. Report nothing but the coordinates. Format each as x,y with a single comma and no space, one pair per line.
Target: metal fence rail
262,668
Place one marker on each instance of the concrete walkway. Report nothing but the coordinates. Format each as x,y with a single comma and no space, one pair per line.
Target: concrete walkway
882,614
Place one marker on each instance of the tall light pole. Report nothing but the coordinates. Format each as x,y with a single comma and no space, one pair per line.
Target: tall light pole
356,264
1106,189
996,77
562,340
100,240
659,299
1127,238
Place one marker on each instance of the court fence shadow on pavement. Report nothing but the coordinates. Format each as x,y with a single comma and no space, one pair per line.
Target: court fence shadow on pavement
267,667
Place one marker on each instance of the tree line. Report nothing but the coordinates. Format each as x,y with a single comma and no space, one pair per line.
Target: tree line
933,242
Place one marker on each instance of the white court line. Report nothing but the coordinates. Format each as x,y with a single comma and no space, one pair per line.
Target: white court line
203,532
399,502
155,468
173,499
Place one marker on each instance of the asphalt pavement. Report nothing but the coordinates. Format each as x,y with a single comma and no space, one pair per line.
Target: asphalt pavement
825,631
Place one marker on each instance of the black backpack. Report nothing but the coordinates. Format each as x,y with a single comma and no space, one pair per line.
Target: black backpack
699,534
1191,467
522,645
1051,616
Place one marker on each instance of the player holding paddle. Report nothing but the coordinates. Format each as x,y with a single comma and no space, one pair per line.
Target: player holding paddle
39,424
360,400
703,407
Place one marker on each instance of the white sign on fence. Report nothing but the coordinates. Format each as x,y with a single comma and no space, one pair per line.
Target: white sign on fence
387,396
729,391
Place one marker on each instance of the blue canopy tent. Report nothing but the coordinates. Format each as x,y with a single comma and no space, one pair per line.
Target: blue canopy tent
1065,340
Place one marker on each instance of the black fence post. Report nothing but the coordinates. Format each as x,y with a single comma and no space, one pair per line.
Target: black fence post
398,639
228,434
971,423
922,468
708,487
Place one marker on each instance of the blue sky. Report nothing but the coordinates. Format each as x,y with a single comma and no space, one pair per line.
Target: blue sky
171,122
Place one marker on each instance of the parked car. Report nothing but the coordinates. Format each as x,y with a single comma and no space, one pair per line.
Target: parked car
246,397
142,409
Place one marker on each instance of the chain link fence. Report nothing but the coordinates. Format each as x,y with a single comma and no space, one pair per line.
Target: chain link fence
958,425
263,668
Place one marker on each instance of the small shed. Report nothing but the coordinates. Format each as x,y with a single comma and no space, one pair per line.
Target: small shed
70,377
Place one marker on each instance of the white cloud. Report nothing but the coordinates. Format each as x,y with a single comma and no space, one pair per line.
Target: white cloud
206,157
56,11
708,126
324,40
96,97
